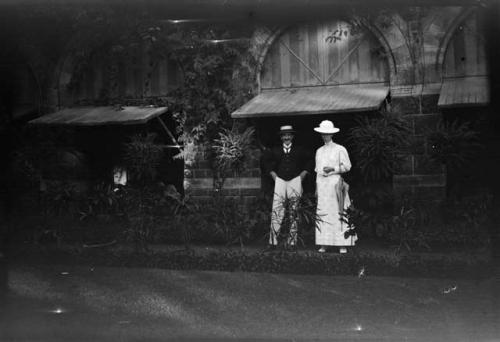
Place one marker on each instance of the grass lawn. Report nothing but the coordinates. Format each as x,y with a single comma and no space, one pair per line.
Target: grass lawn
69,303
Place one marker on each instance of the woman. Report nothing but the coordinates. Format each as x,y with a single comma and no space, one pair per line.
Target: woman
331,161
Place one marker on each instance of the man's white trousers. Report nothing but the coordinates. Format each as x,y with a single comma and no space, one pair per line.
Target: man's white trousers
285,190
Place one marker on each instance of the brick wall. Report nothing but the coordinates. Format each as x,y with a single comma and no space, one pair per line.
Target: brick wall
419,178
244,186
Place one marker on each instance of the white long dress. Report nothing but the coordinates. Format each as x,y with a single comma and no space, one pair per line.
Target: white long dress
330,230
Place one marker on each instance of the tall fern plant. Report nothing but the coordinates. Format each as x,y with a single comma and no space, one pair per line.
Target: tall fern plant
378,146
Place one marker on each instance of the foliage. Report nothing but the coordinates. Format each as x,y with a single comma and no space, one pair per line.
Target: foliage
404,229
362,223
217,70
182,210
142,156
104,201
145,207
220,220
46,154
378,145
59,199
454,223
231,149
304,213
452,144
144,212
226,220
376,198
465,221
375,263
145,202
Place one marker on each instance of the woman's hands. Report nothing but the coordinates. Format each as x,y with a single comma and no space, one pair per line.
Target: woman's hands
328,170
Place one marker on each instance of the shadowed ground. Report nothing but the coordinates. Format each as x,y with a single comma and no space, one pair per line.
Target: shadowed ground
51,303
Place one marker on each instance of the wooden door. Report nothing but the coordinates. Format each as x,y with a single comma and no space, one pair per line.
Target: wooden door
318,54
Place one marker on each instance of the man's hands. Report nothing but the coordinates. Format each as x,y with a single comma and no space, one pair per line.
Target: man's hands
303,175
274,175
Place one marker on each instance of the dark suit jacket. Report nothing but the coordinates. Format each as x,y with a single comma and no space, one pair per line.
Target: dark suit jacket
287,167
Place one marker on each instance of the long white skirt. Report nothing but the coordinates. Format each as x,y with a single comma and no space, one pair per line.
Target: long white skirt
330,230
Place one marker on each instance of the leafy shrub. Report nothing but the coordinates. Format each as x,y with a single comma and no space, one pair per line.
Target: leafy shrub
60,201
60,198
144,207
452,144
378,145
231,147
373,262
305,214
465,222
143,155
221,220
406,232
374,204
404,228
104,201
363,223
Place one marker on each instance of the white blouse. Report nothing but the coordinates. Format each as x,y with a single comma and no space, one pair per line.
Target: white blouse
332,155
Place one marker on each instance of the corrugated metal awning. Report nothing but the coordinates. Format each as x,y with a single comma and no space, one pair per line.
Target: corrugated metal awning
314,100
464,91
95,116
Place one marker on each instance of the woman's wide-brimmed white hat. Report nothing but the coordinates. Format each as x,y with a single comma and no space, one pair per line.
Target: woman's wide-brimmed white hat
326,127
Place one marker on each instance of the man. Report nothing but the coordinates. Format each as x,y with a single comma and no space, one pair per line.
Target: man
288,165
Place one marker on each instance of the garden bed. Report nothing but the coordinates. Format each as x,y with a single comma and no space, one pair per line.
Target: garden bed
363,261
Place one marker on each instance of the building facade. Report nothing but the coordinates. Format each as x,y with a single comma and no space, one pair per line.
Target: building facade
420,62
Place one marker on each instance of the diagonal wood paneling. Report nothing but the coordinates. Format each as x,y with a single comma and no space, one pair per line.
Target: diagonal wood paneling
323,54
135,76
